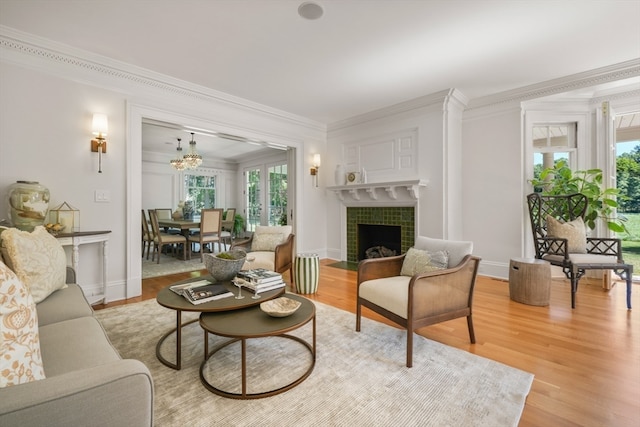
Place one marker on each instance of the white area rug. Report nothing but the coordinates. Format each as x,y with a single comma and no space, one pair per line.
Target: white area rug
170,265
360,379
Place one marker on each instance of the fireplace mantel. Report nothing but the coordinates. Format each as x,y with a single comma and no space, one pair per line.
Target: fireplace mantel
379,192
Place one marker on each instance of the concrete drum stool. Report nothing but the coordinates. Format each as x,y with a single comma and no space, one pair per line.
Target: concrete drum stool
307,273
530,281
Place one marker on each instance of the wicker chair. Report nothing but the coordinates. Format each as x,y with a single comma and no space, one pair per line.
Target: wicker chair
598,253
424,298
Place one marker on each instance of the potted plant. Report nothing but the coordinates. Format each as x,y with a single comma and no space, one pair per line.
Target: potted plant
225,265
560,180
238,225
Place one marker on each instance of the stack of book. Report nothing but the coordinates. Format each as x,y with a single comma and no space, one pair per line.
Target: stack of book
201,291
260,280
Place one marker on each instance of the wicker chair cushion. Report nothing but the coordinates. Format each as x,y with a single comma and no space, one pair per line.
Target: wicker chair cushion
574,231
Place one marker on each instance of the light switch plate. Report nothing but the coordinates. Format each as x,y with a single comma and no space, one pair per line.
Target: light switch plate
102,196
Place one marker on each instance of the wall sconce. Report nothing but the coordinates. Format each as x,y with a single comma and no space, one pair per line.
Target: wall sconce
99,144
315,169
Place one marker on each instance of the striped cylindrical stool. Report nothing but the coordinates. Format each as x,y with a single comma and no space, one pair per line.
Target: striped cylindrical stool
307,273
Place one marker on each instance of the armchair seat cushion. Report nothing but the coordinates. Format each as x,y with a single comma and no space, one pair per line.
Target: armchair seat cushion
263,259
583,259
392,293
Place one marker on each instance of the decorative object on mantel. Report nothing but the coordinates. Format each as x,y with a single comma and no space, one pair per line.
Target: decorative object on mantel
178,163
192,159
353,178
28,204
65,215
339,176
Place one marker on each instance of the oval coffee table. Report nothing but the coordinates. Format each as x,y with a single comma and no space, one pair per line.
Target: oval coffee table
169,299
241,325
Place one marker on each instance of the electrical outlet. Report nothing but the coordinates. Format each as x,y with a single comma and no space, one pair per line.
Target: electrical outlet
102,196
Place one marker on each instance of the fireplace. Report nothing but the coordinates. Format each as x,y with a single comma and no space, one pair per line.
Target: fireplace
377,240
395,229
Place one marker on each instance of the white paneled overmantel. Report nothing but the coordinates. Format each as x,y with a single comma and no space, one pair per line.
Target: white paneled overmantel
397,193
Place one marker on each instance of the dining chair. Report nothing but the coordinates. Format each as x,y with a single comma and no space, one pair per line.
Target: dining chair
147,235
226,235
210,229
161,239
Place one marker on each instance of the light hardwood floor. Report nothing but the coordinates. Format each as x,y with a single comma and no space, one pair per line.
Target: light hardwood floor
586,361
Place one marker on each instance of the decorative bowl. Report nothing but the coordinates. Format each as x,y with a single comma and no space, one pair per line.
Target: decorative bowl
225,269
280,307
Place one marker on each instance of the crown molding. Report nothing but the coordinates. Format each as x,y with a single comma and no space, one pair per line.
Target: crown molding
620,71
32,51
439,100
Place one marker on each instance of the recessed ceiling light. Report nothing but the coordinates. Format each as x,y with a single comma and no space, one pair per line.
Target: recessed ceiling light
310,10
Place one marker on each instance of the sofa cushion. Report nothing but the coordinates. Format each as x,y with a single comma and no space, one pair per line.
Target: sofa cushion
63,304
38,260
417,261
456,249
574,231
21,361
75,344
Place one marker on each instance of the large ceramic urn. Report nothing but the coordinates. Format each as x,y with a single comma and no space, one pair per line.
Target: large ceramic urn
28,203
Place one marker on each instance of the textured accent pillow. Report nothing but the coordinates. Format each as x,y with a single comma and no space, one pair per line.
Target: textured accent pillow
417,261
266,241
573,231
20,361
38,260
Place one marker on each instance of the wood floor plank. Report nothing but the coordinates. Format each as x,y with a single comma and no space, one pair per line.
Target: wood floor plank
586,360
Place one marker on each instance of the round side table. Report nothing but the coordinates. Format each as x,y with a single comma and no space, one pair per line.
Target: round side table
530,281
307,273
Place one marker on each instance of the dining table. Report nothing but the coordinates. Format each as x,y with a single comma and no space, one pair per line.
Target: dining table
184,225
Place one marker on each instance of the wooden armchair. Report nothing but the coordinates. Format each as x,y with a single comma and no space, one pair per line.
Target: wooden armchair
424,298
271,247
567,246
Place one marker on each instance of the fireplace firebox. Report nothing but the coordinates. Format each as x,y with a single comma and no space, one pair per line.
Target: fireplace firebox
381,240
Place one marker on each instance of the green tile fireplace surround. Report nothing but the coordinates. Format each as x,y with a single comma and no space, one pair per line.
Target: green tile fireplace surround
399,216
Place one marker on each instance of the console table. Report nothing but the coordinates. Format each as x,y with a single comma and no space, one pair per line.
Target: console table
78,238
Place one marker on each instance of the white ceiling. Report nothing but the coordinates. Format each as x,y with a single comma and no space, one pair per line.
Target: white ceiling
361,55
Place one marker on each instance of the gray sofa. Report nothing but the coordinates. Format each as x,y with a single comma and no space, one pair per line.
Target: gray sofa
87,382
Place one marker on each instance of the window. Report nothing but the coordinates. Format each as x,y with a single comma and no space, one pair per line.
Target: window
551,143
201,190
277,195
253,201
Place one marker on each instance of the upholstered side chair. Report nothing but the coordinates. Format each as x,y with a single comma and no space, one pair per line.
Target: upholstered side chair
433,282
270,247
147,235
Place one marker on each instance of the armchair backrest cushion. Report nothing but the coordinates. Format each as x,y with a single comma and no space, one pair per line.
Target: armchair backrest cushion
456,249
266,238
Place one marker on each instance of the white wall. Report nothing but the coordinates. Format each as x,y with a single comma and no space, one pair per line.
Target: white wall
46,108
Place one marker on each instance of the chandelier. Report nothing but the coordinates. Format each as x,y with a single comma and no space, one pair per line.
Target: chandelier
178,163
192,159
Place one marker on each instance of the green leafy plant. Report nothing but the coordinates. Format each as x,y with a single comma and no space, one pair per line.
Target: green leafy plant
238,225
560,180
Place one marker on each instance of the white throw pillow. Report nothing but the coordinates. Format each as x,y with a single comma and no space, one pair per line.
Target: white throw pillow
573,231
38,260
20,358
417,261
